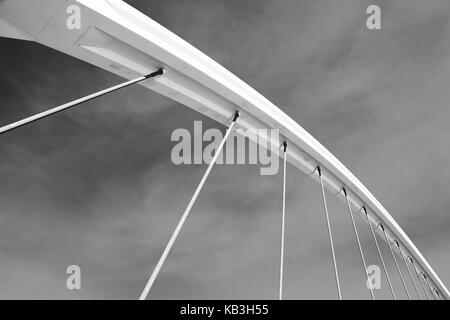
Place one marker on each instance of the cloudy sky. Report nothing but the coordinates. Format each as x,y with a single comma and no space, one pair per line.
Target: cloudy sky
95,186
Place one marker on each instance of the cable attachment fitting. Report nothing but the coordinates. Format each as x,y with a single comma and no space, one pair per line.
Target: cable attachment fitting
158,72
364,208
319,171
284,146
345,191
236,116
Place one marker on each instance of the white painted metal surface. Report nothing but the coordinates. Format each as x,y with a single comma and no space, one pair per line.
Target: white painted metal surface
118,38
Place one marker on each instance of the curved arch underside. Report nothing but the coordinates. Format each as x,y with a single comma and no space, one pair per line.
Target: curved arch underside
118,38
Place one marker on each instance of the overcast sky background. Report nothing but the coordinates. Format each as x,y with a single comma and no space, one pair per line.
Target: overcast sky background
94,186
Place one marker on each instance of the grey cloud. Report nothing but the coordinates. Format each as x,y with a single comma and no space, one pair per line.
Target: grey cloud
94,186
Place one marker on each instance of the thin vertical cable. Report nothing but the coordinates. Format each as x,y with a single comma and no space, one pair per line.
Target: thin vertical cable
418,277
409,271
379,253
396,264
366,275
283,221
163,257
329,234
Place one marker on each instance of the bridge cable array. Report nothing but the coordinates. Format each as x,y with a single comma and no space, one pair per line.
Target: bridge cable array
422,277
429,286
407,268
379,252
396,264
418,277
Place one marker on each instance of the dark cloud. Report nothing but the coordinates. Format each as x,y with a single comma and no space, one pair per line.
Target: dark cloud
95,186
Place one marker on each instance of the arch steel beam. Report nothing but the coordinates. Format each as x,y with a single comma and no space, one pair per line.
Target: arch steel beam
118,38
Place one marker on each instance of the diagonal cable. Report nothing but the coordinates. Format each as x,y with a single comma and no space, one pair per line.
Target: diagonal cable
418,277
379,252
76,102
409,271
172,239
396,264
359,244
330,236
283,221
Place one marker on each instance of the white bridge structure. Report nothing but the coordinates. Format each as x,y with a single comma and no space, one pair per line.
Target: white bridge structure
118,38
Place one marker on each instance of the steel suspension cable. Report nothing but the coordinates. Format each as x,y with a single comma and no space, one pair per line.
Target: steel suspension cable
283,221
172,239
407,268
329,234
76,102
379,252
420,278
436,294
429,286
396,264
359,244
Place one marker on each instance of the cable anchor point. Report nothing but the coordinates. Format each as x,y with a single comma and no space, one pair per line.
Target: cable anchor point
158,72
365,210
319,171
236,116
